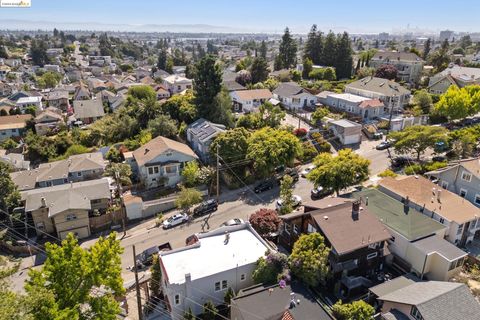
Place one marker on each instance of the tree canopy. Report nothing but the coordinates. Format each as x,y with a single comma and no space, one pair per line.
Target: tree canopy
9,194
269,148
339,172
287,50
187,197
458,103
417,139
386,71
207,84
265,221
309,259
357,310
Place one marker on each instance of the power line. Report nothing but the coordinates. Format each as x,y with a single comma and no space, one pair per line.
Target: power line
26,223
20,236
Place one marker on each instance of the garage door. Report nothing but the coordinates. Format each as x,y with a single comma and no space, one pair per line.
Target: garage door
79,233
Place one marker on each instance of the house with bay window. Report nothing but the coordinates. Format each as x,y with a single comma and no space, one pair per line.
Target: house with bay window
159,162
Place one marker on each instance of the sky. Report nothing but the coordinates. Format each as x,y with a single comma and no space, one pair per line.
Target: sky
354,16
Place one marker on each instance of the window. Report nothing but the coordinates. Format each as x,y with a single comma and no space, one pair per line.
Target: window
224,284
415,313
177,299
71,217
466,176
442,220
372,255
477,199
453,265
287,228
49,183
444,184
295,229
168,154
155,170
217,286
79,174
150,170
463,193
95,201
311,229
171,169
242,277
460,229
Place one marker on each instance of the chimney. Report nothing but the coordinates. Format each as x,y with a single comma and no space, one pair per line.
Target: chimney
44,202
355,210
146,150
227,237
438,195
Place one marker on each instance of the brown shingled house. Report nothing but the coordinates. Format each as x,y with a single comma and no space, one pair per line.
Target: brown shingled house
356,237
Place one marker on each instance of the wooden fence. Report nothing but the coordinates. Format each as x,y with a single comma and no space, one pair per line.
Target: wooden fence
107,220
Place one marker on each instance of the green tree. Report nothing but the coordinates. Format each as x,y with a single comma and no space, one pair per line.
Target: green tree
114,155
426,49
38,52
319,114
156,276
286,194
207,84
423,99
463,145
9,144
188,197
209,311
269,148
465,41
287,50
222,109
458,103
313,47
162,59
49,79
339,172
228,296
233,145
329,74
343,57
259,70
189,315
309,259
268,269
75,275
121,172
263,50
163,126
329,52
417,139
270,115
9,194
190,174
357,310
181,108
307,67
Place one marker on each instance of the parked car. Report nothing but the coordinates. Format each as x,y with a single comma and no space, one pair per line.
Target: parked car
307,170
264,186
232,222
296,201
175,220
292,172
146,257
440,146
383,145
205,207
320,192
402,161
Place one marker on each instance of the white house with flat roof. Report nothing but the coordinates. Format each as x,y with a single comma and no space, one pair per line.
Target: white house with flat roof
25,102
220,259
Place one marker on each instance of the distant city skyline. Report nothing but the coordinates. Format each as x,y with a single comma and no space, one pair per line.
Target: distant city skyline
269,16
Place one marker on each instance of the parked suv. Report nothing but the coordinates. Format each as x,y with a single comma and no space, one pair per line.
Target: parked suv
264,186
205,207
292,172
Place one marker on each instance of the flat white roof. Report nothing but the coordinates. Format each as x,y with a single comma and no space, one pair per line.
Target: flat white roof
349,97
213,255
29,100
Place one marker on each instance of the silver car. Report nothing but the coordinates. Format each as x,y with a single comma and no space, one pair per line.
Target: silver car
175,220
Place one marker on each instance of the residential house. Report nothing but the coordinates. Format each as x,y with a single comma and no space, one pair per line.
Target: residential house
66,208
408,64
411,299
454,75
276,302
356,106
356,238
47,120
347,132
81,167
159,162
417,243
6,89
233,85
4,70
201,134
88,111
162,93
25,102
177,84
293,96
53,68
461,218
13,126
249,100
461,177
392,94
198,273
58,99
81,93
14,159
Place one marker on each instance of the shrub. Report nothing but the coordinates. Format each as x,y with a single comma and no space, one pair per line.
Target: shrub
387,173
268,269
309,151
414,169
300,132
265,221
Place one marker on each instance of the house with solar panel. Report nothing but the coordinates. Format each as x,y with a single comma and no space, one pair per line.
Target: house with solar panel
201,134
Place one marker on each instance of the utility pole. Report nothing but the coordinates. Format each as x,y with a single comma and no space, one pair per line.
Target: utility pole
390,118
122,205
218,175
137,286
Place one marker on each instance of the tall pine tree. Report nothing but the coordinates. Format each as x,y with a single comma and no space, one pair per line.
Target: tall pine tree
288,50
426,49
344,62
314,46
329,52
263,50
207,84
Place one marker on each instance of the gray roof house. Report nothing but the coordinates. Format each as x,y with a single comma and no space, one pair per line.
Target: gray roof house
408,64
454,75
408,298
16,160
201,134
79,167
88,111
392,94
293,96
